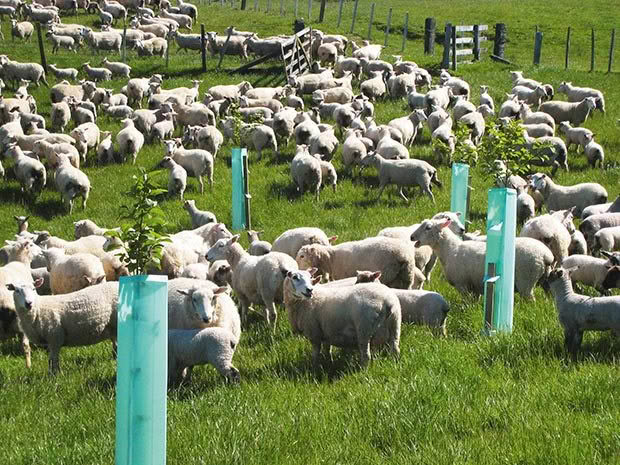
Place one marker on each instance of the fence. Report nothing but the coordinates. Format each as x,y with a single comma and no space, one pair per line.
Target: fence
458,43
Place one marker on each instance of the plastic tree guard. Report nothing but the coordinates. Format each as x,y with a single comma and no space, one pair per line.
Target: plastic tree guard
142,370
459,197
239,213
500,260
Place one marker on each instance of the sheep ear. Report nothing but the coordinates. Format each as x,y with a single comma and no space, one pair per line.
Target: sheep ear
100,279
234,239
446,224
287,273
312,271
184,292
375,276
221,290
37,283
316,280
571,269
11,287
458,214
225,267
333,239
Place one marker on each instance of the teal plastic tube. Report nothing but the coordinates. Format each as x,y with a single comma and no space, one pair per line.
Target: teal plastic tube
501,231
459,190
142,370
238,190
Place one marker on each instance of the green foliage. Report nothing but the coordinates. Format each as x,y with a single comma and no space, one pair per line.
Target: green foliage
143,239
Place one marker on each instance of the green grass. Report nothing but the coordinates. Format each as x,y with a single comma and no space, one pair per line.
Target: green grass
463,399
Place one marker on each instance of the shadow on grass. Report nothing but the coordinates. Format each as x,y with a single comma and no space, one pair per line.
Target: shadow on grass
105,384
286,190
51,207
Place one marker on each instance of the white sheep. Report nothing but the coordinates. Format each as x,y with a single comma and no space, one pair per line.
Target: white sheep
578,313
255,280
409,125
130,140
177,177
578,244
196,162
71,183
220,273
80,318
577,94
257,246
519,80
259,137
105,150
528,95
593,151
551,230
607,239
29,172
356,316
73,272
14,71
86,136
291,240
374,87
559,197
588,270
463,262
394,258
306,171
61,41
84,228
534,117
577,136
60,115
21,30
117,68
198,217
575,112
196,271
593,223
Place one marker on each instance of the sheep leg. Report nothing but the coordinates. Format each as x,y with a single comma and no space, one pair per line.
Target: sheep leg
271,314
26,349
53,359
327,351
245,307
364,347
202,184
402,194
316,353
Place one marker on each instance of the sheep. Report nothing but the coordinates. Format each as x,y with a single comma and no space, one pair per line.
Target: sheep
408,125
190,347
559,197
29,172
578,313
87,136
74,272
71,183
588,270
187,41
207,138
578,244
84,228
255,279
356,316
519,80
258,137
374,87
538,117
60,115
156,46
551,230
291,240
463,262
220,273
137,88
130,140
457,85
594,223
577,136
53,151
335,95
399,86
577,94
529,96
263,47
475,122
63,73
63,89
196,162
177,177
97,74
551,150
324,145
510,108
14,71
409,172
117,68
574,112
114,99
347,64
535,130
105,149
61,41
257,246
183,20
21,30
306,171
102,40
606,239
80,318
526,207
593,151
394,258
41,15
368,51
485,98
117,111
195,271
163,129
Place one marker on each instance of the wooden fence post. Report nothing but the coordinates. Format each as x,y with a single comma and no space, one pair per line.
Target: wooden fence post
41,49
322,11
243,4
476,42
281,7
124,52
309,10
167,50
429,36
354,16
592,53
611,50
387,29
203,48
500,40
445,62
340,4
224,49
405,32
567,52
454,55
537,47
372,18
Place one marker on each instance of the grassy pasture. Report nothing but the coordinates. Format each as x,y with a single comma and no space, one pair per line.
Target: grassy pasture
464,399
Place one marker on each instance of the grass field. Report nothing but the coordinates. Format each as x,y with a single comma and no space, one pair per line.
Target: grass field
466,399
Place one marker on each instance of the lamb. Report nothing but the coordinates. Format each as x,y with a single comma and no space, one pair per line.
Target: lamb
118,111
553,151
530,117
21,30
578,313
259,137
594,223
593,151
84,228
526,207
409,172
74,272
155,46
519,80
190,347
187,41
510,108
162,130
530,96
306,171
408,125
357,316
195,271
485,98
220,273
574,112
41,15
233,91
577,94
388,147
80,318
183,20
255,279
207,138
340,95
257,247
368,51
551,230
105,150
137,87
71,183
196,162
103,40
394,258
607,239
177,177
577,136
463,262
475,122
61,41
87,136
374,87
97,74
14,71
588,270
291,240
559,197
130,140
324,145
578,244
347,64
52,152
29,172
457,85
117,68
63,89
63,73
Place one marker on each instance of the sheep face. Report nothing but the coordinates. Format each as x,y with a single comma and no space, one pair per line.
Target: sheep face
300,283
539,181
219,250
25,295
455,226
220,273
201,303
429,232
